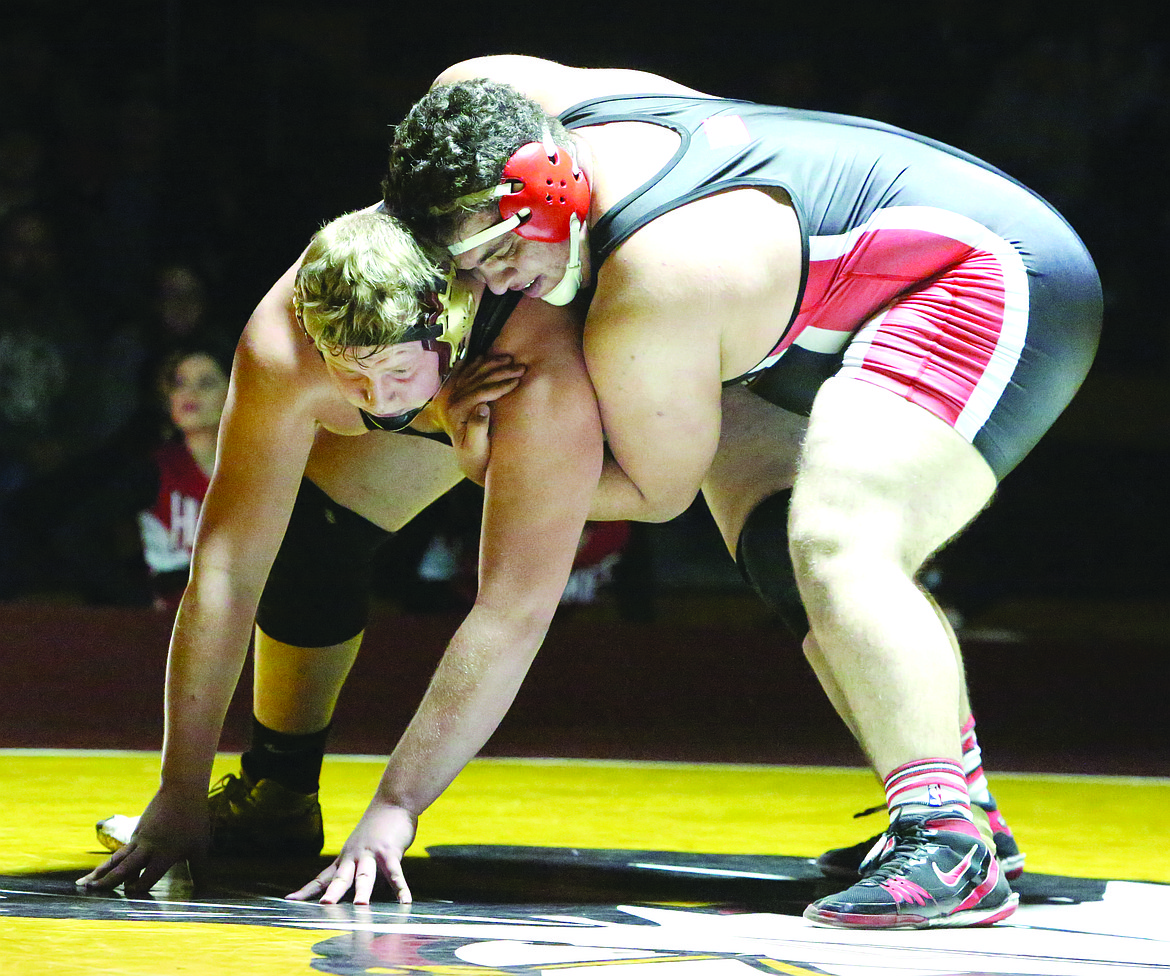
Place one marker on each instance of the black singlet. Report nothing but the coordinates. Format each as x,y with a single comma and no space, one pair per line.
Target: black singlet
843,176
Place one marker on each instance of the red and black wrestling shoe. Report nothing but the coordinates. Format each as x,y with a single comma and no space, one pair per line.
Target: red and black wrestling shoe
929,870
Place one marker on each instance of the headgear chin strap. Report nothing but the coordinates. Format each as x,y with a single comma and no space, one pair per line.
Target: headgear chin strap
446,330
544,196
566,289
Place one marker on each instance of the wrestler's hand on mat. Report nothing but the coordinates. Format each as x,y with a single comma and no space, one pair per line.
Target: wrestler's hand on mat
377,843
463,411
173,828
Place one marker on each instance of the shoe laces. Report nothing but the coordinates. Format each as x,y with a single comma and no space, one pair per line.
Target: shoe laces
232,788
910,835
868,811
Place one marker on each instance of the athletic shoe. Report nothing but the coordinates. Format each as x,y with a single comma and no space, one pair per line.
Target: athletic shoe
1011,858
263,819
844,863
115,831
248,819
929,870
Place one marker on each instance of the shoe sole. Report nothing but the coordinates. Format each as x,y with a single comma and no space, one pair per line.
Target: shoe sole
970,918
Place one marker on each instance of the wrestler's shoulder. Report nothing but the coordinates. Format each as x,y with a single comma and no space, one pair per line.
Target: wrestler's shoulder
557,86
275,361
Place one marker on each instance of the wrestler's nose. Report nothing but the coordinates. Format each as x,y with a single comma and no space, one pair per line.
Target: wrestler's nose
381,396
500,280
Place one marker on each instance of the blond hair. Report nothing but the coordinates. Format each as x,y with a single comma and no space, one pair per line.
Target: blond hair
362,282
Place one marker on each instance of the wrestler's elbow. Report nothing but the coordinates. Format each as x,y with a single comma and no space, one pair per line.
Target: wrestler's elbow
665,503
623,496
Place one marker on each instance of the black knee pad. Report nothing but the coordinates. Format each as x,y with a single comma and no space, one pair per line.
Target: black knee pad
763,559
318,591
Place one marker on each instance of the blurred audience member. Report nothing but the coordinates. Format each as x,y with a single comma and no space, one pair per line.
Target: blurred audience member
181,302
117,527
178,310
46,349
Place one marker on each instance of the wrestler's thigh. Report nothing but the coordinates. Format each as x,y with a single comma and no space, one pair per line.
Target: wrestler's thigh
758,447
878,472
386,478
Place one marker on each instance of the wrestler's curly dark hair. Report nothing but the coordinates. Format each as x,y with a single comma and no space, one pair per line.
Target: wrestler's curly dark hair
456,140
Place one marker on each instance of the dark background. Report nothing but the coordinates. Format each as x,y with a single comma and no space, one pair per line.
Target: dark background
227,132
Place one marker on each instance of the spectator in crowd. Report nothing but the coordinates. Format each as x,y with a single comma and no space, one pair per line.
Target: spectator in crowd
194,383
116,526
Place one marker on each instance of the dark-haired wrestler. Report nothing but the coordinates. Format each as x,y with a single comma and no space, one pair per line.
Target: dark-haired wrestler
746,264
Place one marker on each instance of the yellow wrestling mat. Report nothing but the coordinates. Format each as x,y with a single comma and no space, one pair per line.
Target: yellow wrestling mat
1080,827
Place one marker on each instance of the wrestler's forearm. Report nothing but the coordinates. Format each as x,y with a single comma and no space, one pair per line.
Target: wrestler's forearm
208,647
471,691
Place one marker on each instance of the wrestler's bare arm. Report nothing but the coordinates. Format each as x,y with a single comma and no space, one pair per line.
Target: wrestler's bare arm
266,433
544,465
265,438
546,456
653,357
697,296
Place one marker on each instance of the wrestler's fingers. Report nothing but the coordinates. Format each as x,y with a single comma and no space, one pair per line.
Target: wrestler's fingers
397,879
98,873
490,386
342,880
491,392
123,866
363,880
485,369
152,871
505,373
314,887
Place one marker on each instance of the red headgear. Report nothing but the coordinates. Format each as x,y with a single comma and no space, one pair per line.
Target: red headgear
549,191
552,189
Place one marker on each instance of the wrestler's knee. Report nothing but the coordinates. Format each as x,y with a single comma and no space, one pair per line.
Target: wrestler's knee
835,549
317,592
763,560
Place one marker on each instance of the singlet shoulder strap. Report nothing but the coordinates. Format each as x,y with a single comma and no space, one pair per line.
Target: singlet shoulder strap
490,317
684,115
